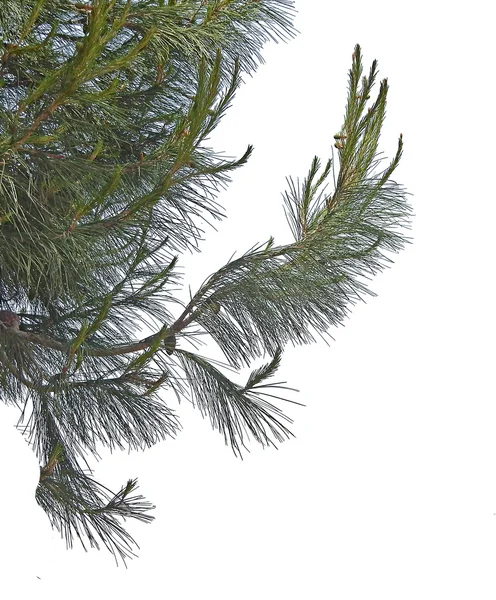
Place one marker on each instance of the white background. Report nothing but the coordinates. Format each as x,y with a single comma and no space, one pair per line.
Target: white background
389,489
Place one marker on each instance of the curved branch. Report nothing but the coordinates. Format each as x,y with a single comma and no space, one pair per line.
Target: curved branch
47,342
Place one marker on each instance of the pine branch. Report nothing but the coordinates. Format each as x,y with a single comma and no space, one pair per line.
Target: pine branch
105,111
78,506
233,409
277,294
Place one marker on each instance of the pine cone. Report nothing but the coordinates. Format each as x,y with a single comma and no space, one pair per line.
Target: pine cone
9,319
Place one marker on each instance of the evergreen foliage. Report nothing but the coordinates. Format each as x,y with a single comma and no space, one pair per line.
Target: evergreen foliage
105,176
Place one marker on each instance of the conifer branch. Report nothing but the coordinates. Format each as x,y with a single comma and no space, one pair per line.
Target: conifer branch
105,174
